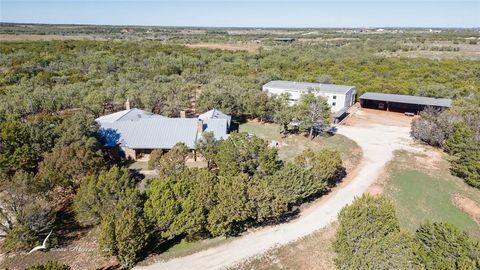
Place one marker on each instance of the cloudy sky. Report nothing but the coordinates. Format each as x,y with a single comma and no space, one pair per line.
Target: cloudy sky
240,13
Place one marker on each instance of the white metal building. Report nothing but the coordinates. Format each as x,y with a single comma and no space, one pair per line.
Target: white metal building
339,97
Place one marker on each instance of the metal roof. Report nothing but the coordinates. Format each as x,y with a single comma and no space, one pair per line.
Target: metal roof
306,86
217,126
428,101
162,133
151,131
126,115
215,114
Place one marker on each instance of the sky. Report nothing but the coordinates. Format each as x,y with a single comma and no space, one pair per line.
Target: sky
247,13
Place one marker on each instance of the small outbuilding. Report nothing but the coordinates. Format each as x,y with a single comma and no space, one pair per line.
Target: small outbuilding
402,103
284,39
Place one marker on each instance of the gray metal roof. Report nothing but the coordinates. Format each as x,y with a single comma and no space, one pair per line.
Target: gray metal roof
305,86
215,114
151,131
126,115
162,133
428,101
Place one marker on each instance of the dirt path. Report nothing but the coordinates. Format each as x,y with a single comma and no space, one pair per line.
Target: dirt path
378,143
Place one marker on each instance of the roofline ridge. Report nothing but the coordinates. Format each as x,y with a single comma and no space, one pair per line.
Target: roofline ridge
127,112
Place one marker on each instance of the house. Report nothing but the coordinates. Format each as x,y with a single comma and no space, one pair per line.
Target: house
135,132
339,97
216,114
402,103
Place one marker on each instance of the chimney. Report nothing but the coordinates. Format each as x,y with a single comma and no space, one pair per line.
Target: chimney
182,114
200,126
127,104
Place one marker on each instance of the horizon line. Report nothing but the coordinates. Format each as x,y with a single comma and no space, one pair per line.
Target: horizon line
247,27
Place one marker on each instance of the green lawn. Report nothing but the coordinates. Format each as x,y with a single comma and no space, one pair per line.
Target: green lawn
294,145
424,192
185,248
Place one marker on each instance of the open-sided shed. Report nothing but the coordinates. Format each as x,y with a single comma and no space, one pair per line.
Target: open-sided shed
402,103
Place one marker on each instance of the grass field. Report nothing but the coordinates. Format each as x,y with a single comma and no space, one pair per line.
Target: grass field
28,37
423,189
293,145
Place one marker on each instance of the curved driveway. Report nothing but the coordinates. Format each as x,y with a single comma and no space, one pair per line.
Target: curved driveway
378,143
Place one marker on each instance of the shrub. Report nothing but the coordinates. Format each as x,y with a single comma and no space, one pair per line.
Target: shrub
241,153
233,208
369,237
326,164
154,160
125,232
98,195
432,127
50,265
296,183
173,161
18,238
179,205
444,246
68,165
464,149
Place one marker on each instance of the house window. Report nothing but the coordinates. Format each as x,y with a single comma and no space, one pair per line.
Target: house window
333,103
334,97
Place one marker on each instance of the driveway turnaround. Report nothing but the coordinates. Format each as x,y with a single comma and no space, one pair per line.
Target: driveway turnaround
378,142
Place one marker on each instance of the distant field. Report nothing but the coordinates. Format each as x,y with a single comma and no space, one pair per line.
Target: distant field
226,46
423,189
470,55
294,145
28,37
465,51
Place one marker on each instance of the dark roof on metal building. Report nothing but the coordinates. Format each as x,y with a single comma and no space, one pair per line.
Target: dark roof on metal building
427,101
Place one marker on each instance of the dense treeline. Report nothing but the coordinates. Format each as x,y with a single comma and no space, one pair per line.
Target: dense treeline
245,185
457,132
369,237
101,75
43,160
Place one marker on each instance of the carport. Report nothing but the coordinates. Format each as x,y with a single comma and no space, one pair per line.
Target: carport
402,103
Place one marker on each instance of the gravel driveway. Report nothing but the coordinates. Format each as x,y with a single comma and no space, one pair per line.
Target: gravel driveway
378,142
